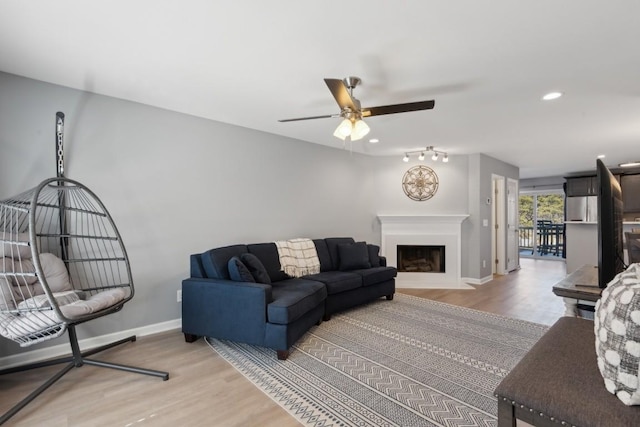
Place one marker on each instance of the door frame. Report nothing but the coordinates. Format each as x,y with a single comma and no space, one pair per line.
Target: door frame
498,225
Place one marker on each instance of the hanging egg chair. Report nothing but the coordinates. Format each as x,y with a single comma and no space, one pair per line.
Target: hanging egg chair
62,263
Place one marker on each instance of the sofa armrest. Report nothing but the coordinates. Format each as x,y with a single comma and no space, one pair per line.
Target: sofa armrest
225,309
383,261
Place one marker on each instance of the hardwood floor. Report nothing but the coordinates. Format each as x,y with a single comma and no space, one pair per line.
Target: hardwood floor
204,390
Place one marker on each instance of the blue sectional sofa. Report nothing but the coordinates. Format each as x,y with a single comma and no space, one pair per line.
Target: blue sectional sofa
262,305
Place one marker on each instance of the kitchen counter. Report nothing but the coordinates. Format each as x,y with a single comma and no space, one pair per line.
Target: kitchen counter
581,243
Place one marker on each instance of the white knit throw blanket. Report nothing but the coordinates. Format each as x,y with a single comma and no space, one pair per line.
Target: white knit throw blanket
298,257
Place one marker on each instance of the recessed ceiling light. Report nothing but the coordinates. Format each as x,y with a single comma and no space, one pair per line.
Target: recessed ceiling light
629,164
552,95
601,156
374,140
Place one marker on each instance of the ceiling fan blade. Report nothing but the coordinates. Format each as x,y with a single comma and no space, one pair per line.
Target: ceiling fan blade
398,108
341,94
310,118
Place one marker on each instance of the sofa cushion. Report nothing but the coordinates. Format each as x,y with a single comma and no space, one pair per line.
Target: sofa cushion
238,271
257,269
375,275
267,253
332,246
374,255
617,330
323,255
337,281
215,261
353,256
293,298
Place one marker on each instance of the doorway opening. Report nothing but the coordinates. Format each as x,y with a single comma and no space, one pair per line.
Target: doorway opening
541,226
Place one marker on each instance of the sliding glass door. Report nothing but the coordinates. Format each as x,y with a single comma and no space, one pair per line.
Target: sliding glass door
541,229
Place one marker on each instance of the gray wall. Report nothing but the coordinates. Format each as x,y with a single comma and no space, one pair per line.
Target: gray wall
549,183
176,184
482,168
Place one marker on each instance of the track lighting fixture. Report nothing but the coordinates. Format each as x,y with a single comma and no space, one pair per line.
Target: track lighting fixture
435,156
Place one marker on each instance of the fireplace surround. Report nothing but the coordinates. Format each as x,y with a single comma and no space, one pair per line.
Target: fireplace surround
425,231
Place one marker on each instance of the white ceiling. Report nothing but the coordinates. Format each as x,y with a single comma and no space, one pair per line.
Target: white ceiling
250,63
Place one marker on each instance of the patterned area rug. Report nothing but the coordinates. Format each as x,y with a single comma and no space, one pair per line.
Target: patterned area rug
406,362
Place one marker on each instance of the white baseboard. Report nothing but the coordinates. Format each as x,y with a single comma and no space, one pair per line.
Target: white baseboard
480,281
88,343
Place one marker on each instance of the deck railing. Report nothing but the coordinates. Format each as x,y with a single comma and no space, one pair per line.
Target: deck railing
548,238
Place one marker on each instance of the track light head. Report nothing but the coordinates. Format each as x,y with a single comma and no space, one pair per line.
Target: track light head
405,158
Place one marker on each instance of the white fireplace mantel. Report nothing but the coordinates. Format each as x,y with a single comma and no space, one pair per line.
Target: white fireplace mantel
422,219
438,229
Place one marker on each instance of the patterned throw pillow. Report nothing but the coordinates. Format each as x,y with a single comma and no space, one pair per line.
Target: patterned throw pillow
617,330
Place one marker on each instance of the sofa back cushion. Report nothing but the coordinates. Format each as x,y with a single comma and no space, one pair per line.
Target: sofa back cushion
196,269
267,253
353,256
323,255
214,261
332,245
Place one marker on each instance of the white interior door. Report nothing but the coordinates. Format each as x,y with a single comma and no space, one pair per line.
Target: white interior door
499,226
513,259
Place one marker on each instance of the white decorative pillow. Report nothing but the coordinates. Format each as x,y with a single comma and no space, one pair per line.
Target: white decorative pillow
617,330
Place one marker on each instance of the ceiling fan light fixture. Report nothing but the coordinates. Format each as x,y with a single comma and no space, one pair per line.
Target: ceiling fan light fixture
445,158
405,158
435,156
360,129
421,156
343,130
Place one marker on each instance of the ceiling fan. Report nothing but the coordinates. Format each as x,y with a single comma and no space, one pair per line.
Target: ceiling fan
352,113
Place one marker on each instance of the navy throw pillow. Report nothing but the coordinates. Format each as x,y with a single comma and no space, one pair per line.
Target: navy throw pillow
374,257
238,272
257,269
353,256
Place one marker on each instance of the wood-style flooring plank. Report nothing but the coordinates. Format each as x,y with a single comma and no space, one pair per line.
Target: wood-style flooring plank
204,390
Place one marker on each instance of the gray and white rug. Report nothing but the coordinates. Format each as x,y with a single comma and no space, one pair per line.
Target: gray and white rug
406,362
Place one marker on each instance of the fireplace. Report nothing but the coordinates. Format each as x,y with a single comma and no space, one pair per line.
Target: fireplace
426,249
421,258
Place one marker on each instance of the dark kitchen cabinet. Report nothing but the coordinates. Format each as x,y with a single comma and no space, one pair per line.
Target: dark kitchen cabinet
582,186
631,192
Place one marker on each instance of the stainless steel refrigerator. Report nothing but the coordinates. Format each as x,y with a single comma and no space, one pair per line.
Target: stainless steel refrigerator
582,208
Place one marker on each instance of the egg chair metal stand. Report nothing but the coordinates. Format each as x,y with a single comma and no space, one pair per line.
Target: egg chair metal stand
62,263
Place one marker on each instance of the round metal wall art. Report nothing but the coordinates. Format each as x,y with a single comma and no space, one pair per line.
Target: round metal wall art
420,183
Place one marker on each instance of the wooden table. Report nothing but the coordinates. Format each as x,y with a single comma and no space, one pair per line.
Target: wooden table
581,285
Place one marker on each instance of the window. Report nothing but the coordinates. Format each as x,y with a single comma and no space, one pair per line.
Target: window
541,228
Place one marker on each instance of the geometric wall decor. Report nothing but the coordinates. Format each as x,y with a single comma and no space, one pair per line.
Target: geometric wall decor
420,183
